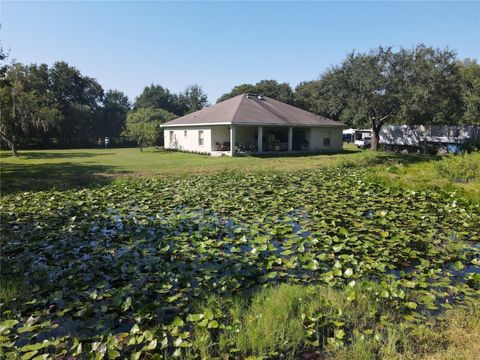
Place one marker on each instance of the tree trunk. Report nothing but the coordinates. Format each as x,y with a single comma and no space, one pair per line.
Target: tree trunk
375,138
12,143
376,127
13,146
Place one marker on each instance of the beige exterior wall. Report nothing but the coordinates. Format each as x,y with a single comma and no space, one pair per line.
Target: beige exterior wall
187,138
318,134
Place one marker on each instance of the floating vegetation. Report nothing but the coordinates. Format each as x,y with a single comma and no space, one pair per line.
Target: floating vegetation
117,271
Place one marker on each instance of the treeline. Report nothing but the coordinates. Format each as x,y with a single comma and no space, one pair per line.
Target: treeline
57,106
422,85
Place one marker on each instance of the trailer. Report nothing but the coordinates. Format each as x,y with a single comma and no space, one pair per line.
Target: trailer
427,138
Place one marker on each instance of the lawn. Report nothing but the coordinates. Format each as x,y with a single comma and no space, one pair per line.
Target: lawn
65,169
42,169
322,256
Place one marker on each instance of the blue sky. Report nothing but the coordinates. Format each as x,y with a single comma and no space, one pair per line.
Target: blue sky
128,45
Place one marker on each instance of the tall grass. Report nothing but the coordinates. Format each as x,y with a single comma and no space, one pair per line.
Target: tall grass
296,321
460,168
10,289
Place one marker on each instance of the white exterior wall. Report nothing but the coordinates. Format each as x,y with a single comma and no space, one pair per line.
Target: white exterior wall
221,134
190,141
318,134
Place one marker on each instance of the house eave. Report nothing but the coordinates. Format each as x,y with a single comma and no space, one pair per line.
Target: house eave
193,125
251,124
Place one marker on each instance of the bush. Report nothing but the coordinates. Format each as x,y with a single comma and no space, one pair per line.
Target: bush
460,168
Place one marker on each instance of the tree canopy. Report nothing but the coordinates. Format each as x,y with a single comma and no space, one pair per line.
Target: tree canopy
56,106
143,126
48,106
470,76
271,88
158,97
411,86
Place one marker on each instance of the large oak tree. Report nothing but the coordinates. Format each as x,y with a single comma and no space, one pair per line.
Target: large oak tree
412,86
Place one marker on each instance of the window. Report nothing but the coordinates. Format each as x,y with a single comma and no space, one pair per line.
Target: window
326,140
185,133
200,137
171,137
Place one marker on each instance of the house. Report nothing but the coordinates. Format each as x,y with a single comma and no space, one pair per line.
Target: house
254,124
427,137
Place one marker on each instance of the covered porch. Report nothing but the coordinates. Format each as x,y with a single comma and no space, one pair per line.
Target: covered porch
248,139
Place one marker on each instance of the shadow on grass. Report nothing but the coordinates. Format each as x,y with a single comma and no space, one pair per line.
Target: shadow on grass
59,176
273,155
388,157
35,155
380,157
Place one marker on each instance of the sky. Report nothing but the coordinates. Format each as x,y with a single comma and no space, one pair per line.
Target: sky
129,45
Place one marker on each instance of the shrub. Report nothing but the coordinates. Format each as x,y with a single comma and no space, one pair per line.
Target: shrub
460,168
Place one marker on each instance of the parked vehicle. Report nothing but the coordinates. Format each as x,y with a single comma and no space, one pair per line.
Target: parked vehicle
364,143
363,138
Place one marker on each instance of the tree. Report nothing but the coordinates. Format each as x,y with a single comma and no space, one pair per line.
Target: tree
157,97
237,90
429,86
417,86
143,126
271,88
315,96
363,84
113,114
79,99
193,98
470,74
23,109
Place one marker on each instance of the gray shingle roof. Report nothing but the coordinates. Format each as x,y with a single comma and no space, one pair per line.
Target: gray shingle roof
249,109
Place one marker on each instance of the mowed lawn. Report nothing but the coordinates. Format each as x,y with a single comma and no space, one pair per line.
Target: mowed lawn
64,169
46,169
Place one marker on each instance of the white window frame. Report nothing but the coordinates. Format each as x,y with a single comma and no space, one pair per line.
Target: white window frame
185,133
201,138
172,137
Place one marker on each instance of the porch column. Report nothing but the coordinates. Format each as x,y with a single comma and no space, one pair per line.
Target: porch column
290,139
260,139
232,140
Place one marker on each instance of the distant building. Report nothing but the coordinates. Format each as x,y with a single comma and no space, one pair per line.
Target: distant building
253,124
413,137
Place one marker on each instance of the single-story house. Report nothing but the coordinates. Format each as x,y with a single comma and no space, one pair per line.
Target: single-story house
254,124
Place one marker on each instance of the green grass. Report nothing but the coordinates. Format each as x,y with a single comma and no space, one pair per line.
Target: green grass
333,320
282,319
423,175
63,169
44,169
